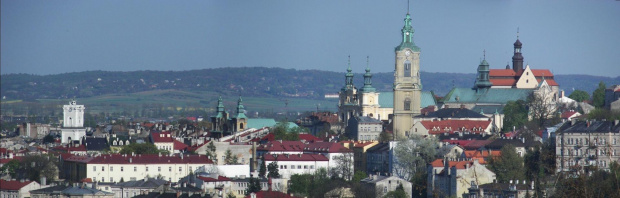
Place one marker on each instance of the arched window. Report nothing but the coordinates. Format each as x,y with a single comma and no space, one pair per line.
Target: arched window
241,126
407,69
407,104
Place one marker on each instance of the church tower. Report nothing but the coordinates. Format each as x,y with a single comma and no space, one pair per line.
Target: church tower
407,85
72,123
241,121
482,80
368,95
517,58
348,105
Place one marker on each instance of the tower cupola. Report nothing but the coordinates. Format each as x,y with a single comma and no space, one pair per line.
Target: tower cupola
240,109
368,79
517,58
348,84
407,34
482,80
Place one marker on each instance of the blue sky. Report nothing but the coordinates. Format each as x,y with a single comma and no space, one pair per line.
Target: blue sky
50,37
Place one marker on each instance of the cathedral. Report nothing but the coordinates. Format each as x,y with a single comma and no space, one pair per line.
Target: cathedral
403,103
224,123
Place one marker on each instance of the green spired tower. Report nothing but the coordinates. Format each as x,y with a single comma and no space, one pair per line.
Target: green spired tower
407,85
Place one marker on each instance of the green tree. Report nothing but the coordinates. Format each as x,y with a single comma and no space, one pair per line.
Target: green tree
300,184
598,96
398,193
515,114
210,153
10,168
272,168
34,167
601,113
508,166
413,154
253,185
263,169
358,176
144,148
48,139
230,158
579,95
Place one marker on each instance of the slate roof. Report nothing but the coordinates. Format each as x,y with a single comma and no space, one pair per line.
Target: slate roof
590,127
499,143
386,99
488,109
52,190
326,147
381,147
366,119
96,144
211,179
494,96
143,183
471,126
83,190
453,113
501,186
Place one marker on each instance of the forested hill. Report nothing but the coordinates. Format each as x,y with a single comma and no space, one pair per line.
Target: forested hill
246,81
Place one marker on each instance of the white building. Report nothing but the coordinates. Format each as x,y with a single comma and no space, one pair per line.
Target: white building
73,122
454,178
117,167
290,164
163,141
17,189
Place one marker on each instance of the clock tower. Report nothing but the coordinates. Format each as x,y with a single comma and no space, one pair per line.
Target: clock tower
407,85
73,123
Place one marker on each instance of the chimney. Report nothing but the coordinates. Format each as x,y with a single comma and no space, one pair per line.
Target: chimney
43,181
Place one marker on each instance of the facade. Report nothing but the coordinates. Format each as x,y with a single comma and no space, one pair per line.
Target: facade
380,159
407,84
581,144
454,178
360,155
34,130
73,122
440,127
290,164
132,188
75,190
612,96
120,168
225,123
163,141
501,190
17,189
363,128
384,184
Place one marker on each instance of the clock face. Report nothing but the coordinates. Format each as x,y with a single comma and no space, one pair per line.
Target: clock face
407,33
70,109
407,53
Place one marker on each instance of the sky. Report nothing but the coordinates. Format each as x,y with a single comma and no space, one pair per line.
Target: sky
51,37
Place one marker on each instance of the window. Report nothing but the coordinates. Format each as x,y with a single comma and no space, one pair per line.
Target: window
102,179
135,169
102,168
190,168
94,168
147,169
407,104
407,69
293,167
385,189
298,166
305,166
159,168
111,180
121,169
311,166
169,169
132,179
180,169
111,168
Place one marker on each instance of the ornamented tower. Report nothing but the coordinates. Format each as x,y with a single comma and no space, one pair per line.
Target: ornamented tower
241,121
348,105
517,58
482,80
407,85
73,123
368,95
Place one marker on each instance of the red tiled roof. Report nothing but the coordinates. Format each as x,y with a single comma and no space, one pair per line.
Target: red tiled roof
481,154
12,185
4,150
457,164
476,144
179,145
326,147
550,82
141,159
568,114
455,125
71,148
458,142
7,160
162,137
501,72
295,157
302,136
542,72
277,145
211,179
503,82
87,180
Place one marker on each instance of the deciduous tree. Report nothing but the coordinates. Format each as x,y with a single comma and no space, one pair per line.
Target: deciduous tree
508,166
413,154
579,95
272,168
598,96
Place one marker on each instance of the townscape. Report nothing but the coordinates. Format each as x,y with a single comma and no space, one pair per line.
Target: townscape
513,133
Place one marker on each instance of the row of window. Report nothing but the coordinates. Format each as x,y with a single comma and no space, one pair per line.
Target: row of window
601,163
578,152
297,167
112,179
585,141
135,169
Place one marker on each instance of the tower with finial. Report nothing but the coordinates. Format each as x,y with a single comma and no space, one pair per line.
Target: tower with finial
241,120
482,79
407,85
73,122
348,104
368,95
517,58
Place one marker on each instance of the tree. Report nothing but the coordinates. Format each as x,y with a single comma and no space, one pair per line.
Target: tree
398,193
344,166
144,148
541,106
253,185
10,168
358,176
515,114
598,96
210,153
599,183
263,169
508,166
413,154
48,139
273,170
579,95
34,167
300,184
230,158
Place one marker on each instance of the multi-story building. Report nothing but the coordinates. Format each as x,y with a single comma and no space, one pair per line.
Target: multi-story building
360,155
380,159
120,168
290,164
581,144
364,128
381,185
132,188
501,190
453,178
73,122
74,190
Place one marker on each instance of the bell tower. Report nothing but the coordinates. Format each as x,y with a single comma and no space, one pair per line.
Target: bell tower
407,84
348,105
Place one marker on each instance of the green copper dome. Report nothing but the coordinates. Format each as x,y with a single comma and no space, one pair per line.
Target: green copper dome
407,33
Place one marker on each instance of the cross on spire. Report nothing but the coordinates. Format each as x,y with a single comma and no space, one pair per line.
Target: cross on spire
484,54
517,32
407,6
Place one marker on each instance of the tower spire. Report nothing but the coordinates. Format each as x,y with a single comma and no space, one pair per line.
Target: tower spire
368,78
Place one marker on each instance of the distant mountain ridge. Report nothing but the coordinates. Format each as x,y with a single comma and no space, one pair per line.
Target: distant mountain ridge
246,81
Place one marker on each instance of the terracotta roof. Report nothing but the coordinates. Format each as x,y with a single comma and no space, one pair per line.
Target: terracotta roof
280,145
162,137
542,72
501,72
12,185
326,147
503,82
211,179
141,159
472,126
568,114
295,157
481,154
476,144
269,194
179,145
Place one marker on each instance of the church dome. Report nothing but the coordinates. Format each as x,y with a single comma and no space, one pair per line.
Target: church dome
518,43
